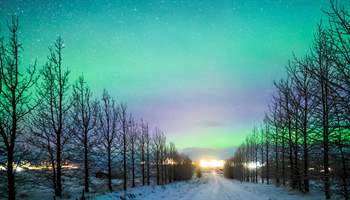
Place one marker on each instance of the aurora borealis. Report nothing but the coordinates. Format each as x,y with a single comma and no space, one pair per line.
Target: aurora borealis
202,71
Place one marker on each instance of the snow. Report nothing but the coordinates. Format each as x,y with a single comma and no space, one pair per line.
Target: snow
212,186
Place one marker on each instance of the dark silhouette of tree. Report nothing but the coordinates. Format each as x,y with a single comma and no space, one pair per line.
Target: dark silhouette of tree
309,116
50,122
339,34
133,137
158,141
108,119
274,121
60,130
143,144
148,154
172,156
304,86
84,115
15,102
267,150
162,150
123,117
322,72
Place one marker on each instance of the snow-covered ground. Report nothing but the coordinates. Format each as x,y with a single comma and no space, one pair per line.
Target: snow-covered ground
211,186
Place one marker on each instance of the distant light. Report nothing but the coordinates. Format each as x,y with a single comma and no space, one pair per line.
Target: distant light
28,166
169,161
19,169
253,165
211,163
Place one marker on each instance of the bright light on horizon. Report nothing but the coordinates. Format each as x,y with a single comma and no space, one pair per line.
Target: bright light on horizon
211,163
253,165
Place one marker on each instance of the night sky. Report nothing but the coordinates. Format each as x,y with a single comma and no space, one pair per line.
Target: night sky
202,71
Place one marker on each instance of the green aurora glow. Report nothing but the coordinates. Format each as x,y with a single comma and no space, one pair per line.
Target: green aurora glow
200,70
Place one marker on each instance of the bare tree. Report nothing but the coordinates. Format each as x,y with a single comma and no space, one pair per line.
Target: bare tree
256,150
148,152
158,141
310,115
339,37
133,137
262,152
163,162
123,117
322,72
304,86
172,153
84,114
108,119
267,150
53,112
275,124
143,144
283,118
15,101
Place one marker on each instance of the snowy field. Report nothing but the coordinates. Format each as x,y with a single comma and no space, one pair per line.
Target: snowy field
211,186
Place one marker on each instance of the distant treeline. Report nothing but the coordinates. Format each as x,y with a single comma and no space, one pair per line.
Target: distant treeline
48,123
305,136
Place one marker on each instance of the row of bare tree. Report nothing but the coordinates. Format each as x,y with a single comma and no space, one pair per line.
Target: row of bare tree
46,121
305,135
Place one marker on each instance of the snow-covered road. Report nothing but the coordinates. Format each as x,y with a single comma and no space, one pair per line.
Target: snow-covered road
216,187
212,186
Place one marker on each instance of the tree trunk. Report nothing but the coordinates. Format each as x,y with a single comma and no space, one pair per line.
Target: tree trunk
325,126
86,162
133,164
60,125
296,163
326,168
174,166
157,163
345,175
143,162
59,166
109,167
267,159
10,147
256,162
262,161
291,171
306,176
283,159
10,174
147,162
276,158
305,152
148,170
124,160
